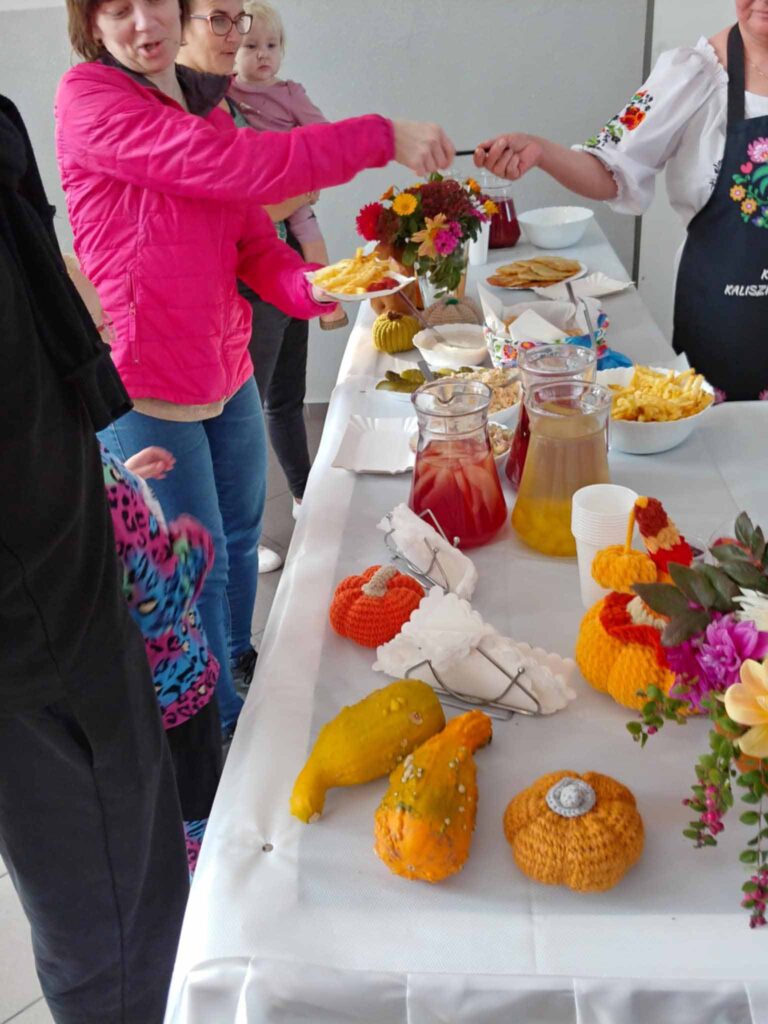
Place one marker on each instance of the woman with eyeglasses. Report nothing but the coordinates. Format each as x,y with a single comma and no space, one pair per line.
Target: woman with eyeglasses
165,200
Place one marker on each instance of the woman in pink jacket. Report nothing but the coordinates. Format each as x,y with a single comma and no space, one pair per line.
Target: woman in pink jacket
164,196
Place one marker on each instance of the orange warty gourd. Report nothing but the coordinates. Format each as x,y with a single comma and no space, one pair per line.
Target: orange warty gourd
424,825
372,608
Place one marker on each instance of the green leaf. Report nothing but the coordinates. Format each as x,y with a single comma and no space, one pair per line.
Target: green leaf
729,553
749,887
726,588
750,798
662,598
694,585
753,778
715,776
749,818
684,626
690,833
743,529
748,857
757,547
747,575
409,256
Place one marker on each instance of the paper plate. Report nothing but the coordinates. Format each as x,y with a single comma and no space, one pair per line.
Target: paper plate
376,444
401,279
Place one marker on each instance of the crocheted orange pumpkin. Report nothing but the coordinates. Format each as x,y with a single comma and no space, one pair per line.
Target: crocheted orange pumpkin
583,831
372,608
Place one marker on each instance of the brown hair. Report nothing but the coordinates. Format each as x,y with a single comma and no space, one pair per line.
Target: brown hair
80,26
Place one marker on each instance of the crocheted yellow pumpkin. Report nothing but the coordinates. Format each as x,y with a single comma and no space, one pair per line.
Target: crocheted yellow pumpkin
583,831
394,332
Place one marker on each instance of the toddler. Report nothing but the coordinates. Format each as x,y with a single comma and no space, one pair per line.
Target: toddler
270,104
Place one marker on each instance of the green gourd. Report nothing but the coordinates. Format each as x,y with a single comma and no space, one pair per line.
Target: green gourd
394,332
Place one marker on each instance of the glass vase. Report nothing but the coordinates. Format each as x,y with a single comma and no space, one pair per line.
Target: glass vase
432,293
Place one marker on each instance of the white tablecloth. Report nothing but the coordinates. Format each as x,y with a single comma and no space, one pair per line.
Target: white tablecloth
288,922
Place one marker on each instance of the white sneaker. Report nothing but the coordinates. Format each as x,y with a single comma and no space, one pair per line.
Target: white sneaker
295,511
269,560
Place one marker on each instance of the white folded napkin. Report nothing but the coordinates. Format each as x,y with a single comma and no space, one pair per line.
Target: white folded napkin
447,632
414,538
592,286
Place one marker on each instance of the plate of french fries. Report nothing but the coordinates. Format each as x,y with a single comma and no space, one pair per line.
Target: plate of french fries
538,272
653,408
359,277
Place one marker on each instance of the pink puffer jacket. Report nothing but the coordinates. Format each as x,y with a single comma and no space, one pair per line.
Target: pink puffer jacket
166,213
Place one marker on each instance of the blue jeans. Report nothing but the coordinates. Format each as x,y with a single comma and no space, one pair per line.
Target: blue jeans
220,478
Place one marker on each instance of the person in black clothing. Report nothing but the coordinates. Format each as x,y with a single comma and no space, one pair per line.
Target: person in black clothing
90,825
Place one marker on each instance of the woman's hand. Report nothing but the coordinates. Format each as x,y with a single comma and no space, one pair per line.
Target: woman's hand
422,146
509,156
151,463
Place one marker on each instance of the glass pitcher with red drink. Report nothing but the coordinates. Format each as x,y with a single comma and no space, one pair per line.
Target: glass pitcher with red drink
541,365
505,229
455,475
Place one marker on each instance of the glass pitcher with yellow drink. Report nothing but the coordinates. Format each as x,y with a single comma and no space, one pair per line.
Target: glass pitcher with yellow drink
568,449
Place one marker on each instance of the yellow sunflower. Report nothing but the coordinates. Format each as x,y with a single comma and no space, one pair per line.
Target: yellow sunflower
405,204
490,207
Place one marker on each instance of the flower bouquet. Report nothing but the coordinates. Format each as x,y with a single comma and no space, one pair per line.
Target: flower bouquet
427,226
716,640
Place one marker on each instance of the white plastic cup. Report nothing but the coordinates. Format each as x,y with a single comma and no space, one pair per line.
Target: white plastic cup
478,250
599,518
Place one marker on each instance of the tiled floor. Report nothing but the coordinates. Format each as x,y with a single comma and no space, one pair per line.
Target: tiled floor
20,998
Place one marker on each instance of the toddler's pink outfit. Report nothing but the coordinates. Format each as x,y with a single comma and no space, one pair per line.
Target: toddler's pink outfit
279,108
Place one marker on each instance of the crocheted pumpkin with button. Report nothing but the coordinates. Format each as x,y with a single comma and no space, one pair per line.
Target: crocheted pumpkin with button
619,649
583,831
372,608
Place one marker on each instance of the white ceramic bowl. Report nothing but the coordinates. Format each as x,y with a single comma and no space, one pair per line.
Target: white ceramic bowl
555,227
637,438
466,346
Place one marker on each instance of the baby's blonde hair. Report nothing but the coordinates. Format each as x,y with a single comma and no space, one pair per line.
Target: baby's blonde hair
262,10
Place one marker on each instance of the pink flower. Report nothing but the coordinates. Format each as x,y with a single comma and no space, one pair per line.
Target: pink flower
445,242
758,151
747,168
711,661
455,228
763,396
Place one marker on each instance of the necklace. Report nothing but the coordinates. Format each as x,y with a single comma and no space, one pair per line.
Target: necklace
757,69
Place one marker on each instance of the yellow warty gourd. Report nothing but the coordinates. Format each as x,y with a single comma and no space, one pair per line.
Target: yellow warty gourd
394,332
366,741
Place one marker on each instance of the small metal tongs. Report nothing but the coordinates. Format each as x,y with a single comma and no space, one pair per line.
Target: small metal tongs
588,318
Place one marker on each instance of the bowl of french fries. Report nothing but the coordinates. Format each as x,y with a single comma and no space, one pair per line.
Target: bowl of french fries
653,408
362,276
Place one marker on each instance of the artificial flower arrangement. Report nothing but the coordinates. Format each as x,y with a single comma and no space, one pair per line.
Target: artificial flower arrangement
428,224
716,643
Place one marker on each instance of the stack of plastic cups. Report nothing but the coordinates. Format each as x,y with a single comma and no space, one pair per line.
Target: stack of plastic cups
599,518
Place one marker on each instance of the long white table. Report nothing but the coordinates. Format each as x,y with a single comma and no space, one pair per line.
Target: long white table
289,923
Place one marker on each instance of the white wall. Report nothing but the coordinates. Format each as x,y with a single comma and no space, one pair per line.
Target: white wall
675,23
557,67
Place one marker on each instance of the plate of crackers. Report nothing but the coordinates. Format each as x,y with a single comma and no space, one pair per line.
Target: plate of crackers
358,278
653,408
537,272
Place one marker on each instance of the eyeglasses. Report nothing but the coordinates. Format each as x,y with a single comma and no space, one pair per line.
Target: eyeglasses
221,24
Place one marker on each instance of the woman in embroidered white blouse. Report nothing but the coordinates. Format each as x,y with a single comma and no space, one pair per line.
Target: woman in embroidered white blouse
681,121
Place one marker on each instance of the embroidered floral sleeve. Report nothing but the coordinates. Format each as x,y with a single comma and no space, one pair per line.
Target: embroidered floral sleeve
627,120
636,144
